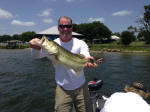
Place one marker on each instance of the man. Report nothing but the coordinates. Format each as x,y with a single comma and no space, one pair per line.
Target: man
131,101
71,88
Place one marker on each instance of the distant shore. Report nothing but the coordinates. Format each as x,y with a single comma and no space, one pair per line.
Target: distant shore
19,46
101,51
139,47
95,51
98,48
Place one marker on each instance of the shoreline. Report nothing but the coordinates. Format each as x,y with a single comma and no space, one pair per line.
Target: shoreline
99,51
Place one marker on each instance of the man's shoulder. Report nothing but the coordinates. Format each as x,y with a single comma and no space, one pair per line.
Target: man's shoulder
56,39
117,95
124,95
78,40
74,38
125,102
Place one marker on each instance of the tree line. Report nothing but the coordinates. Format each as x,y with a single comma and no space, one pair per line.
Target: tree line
25,37
98,30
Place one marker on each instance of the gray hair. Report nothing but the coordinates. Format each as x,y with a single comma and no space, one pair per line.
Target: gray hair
66,17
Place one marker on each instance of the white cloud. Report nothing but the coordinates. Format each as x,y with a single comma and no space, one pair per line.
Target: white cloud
69,0
48,20
5,14
122,13
96,19
21,23
45,13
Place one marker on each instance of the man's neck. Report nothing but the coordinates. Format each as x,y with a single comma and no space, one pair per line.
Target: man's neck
65,39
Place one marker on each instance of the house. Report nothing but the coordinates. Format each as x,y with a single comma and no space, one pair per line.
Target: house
54,33
13,43
114,37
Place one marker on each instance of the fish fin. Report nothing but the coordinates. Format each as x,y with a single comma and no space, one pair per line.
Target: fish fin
78,71
100,60
80,55
52,57
53,53
54,63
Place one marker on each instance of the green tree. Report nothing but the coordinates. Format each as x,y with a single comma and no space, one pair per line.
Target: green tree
27,36
127,37
5,38
145,23
140,36
95,30
15,37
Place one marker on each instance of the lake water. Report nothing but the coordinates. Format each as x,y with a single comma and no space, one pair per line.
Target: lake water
28,85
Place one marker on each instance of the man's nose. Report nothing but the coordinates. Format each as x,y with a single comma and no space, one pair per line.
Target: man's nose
65,28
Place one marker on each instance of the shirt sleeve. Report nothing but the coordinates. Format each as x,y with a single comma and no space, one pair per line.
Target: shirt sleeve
37,54
84,49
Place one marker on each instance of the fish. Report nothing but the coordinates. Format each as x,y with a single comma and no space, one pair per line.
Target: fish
60,55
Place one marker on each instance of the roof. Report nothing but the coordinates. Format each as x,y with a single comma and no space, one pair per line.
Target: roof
54,31
115,37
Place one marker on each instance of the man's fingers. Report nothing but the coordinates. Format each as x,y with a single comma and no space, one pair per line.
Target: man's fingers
32,43
36,47
91,65
90,58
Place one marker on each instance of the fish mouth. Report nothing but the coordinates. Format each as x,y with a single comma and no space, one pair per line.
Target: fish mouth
42,40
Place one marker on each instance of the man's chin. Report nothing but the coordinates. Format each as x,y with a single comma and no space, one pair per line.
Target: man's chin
66,34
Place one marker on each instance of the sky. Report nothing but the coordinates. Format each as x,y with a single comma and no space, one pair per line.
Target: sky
18,16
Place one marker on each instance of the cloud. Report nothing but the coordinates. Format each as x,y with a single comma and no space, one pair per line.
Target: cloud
69,0
45,13
96,19
48,20
5,14
21,23
122,13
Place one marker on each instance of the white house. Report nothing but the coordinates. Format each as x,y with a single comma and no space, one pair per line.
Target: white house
53,33
114,37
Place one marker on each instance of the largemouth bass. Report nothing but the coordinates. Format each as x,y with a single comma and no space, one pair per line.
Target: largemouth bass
58,54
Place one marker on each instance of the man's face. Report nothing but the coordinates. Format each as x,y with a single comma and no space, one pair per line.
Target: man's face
65,27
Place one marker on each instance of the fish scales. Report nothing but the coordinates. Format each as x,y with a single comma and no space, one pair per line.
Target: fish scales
71,59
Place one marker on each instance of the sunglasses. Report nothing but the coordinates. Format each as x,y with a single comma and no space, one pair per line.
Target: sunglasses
65,26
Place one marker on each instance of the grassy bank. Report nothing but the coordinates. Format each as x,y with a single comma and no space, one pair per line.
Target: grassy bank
114,47
21,46
111,47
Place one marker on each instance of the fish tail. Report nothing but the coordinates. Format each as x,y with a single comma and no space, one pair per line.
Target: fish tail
100,60
96,60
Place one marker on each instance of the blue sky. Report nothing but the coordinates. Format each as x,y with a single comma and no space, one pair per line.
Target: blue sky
18,16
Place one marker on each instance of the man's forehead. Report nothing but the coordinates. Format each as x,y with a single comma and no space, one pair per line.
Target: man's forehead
65,20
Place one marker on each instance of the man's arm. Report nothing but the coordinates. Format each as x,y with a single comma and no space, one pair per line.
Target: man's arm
85,52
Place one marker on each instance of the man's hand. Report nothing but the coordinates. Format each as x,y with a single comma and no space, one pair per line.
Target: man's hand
33,44
90,65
